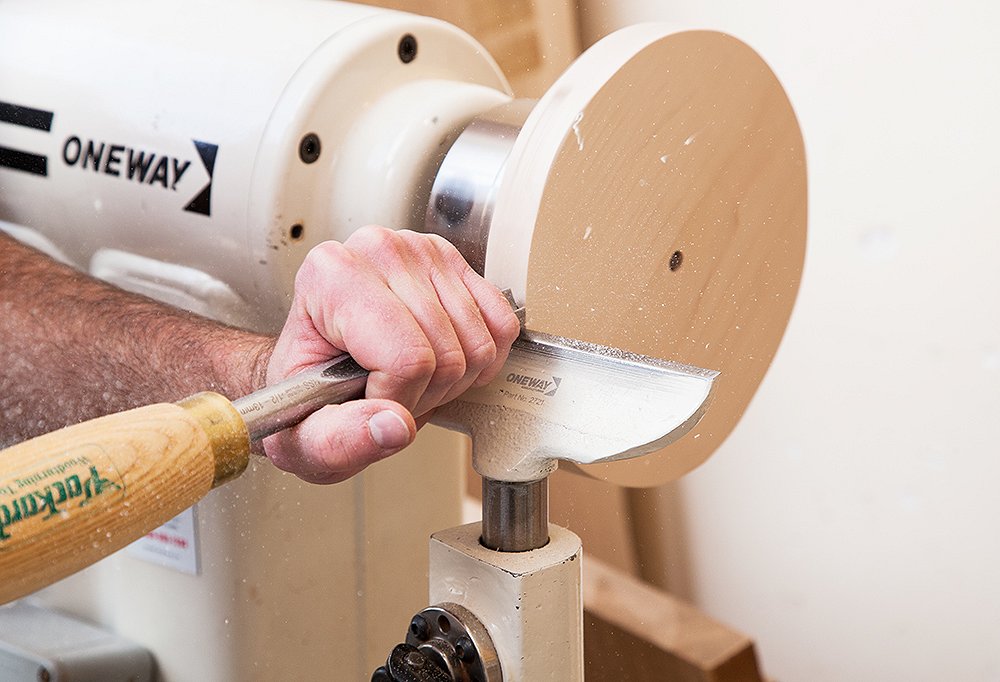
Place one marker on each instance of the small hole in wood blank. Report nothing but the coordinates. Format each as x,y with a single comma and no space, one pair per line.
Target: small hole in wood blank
676,260
296,232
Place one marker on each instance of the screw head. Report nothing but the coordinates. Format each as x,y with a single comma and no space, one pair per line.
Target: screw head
407,49
465,649
309,148
420,628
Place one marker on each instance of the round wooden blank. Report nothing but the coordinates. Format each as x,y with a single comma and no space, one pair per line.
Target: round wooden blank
664,178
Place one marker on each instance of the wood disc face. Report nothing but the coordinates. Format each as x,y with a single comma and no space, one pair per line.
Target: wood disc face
664,177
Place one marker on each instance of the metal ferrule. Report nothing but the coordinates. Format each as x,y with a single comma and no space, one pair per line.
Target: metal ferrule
464,192
515,515
226,433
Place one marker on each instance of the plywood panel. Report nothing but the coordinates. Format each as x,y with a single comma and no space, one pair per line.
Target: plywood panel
633,631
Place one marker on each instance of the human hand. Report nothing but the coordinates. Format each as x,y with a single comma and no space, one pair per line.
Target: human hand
409,309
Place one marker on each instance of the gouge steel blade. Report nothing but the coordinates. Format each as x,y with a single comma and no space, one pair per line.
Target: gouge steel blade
561,399
286,403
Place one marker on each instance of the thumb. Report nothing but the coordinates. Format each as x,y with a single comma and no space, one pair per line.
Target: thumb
338,441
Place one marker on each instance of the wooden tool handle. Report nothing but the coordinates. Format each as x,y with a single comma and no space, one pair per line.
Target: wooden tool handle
73,496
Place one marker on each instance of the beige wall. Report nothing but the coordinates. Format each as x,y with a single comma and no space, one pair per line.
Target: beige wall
850,524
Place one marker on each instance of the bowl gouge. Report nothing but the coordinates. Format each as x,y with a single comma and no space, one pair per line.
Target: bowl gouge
75,495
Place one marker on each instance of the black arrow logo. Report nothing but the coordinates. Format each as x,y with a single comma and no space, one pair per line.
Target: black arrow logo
556,381
202,203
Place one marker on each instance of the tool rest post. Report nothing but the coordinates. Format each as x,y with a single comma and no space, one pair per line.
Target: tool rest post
515,515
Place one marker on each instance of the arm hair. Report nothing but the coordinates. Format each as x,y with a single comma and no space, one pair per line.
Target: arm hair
73,348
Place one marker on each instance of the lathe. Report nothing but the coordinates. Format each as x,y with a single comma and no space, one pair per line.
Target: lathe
647,212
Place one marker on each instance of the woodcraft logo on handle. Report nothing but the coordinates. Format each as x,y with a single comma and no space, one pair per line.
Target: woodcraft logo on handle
57,487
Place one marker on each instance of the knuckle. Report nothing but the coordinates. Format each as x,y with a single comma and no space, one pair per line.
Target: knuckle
383,248
421,246
451,366
327,252
414,363
410,237
321,260
508,330
371,238
483,355
449,253
437,241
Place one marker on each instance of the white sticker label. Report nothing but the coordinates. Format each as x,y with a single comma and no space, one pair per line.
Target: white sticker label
172,545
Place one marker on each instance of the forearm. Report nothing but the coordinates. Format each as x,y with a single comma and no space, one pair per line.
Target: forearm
73,348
